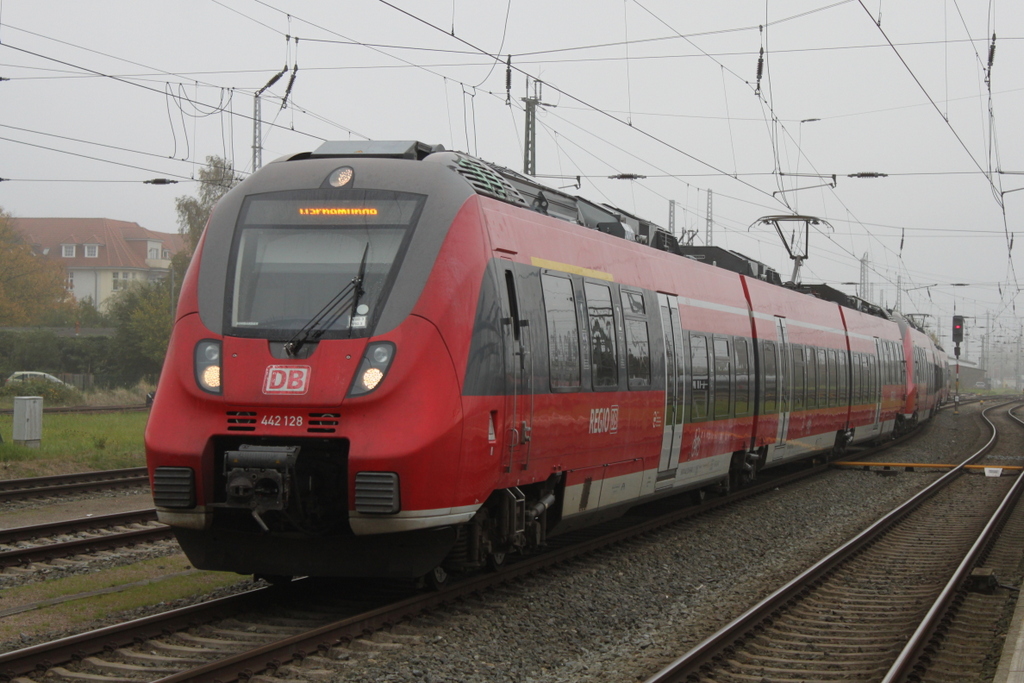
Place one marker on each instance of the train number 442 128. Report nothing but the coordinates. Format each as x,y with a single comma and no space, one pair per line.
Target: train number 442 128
281,421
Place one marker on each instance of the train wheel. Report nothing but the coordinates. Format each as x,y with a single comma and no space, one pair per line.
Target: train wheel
496,560
437,578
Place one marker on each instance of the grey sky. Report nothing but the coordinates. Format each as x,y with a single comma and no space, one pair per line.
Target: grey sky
105,94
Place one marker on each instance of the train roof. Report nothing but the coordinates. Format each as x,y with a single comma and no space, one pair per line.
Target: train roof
506,185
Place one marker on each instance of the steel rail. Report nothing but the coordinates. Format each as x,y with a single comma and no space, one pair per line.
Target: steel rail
36,487
690,662
25,533
915,645
46,655
52,551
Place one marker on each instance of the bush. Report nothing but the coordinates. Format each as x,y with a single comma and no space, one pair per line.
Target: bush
53,394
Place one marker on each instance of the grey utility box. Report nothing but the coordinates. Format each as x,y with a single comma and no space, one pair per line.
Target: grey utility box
28,420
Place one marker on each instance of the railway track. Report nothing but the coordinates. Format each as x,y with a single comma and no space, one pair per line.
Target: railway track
63,484
240,636
45,542
219,640
886,603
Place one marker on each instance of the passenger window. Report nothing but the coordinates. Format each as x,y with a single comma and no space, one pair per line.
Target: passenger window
833,387
812,379
799,372
872,380
638,346
638,353
723,378
699,383
563,333
633,303
770,379
822,378
858,378
844,397
602,336
742,376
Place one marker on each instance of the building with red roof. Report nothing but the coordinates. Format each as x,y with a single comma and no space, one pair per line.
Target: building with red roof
101,256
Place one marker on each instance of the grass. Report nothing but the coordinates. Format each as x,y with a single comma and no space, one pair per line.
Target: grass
152,586
76,443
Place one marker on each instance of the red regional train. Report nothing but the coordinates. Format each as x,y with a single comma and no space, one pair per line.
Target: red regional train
394,360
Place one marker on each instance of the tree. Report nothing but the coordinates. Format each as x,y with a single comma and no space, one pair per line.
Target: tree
142,317
30,285
76,313
214,182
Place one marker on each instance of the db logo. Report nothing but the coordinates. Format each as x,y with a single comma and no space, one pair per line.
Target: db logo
286,379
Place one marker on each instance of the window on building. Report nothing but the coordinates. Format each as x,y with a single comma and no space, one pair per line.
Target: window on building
154,252
92,250
70,282
117,280
67,250
166,254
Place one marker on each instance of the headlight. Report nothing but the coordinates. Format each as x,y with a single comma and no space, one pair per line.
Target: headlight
207,366
373,368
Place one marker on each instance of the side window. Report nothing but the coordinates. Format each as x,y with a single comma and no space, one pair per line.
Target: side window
822,378
699,382
602,336
844,396
872,380
854,378
770,379
883,349
833,387
799,372
638,345
723,377
741,349
563,333
812,378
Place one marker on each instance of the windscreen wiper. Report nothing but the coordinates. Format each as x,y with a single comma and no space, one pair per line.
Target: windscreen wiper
346,299
319,323
358,282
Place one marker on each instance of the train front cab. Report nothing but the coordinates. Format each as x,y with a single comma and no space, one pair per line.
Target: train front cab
284,463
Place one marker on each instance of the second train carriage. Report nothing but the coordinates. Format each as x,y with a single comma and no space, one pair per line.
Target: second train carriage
499,361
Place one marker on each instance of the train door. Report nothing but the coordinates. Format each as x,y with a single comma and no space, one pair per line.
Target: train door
672,437
785,384
518,418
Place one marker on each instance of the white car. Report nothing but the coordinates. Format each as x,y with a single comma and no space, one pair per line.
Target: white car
29,376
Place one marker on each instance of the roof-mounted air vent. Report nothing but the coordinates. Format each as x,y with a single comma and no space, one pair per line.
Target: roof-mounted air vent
381,149
486,181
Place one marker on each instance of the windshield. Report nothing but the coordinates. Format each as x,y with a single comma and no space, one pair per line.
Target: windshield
295,251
